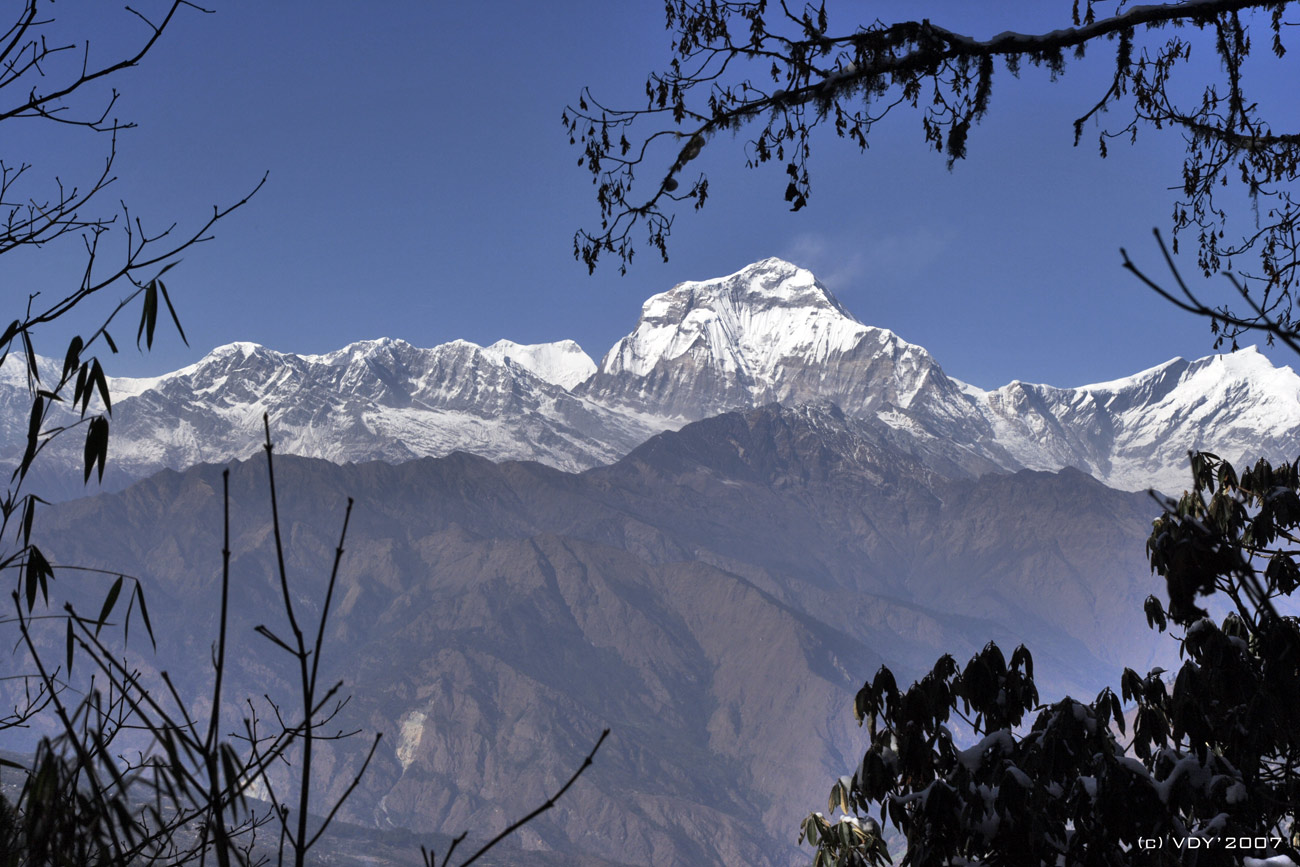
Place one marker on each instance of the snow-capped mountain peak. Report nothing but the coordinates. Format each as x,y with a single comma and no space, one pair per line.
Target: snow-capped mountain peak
769,333
748,323
561,363
1135,432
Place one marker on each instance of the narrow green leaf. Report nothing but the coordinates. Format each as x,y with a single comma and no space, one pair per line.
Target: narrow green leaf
32,374
108,338
38,569
80,392
109,602
69,645
126,621
34,423
9,334
29,513
101,383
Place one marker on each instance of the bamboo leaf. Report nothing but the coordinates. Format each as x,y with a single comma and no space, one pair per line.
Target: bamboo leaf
81,391
162,288
32,374
38,570
148,315
34,428
73,358
126,621
29,513
96,451
101,383
144,615
9,334
109,602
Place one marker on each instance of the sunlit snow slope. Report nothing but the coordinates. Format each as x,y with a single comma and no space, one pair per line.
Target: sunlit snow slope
769,333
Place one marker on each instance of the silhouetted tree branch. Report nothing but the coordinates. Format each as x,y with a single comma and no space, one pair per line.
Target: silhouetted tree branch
550,802
780,72
75,805
1222,321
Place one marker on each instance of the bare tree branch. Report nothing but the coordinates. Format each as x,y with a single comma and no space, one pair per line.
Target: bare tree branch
780,72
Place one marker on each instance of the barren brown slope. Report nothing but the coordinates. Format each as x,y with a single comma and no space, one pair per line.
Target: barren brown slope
716,598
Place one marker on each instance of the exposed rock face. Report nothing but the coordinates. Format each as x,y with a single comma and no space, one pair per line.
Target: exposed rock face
824,499
1135,432
372,400
716,598
768,333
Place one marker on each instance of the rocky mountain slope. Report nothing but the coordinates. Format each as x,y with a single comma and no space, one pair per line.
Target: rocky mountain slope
768,333
716,597
772,332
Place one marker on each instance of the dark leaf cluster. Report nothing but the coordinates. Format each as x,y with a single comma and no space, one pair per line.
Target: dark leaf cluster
1209,751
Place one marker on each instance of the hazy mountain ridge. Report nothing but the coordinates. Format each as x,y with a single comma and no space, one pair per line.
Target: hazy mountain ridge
715,593
768,333
716,597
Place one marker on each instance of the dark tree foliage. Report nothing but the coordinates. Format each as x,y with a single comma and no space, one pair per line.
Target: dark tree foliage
777,71
78,802
47,79
128,772
1210,752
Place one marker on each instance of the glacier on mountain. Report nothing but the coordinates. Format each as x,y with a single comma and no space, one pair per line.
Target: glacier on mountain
562,363
1135,432
769,333
751,322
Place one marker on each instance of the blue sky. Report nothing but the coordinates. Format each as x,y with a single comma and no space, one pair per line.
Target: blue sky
421,186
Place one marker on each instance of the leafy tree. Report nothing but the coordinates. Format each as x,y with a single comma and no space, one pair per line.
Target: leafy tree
81,802
1212,764
1209,753
47,80
128,773
777,72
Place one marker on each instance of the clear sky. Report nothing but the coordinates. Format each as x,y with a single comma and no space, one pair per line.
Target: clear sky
421,187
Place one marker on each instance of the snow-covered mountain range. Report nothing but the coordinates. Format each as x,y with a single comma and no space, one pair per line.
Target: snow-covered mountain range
770,333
